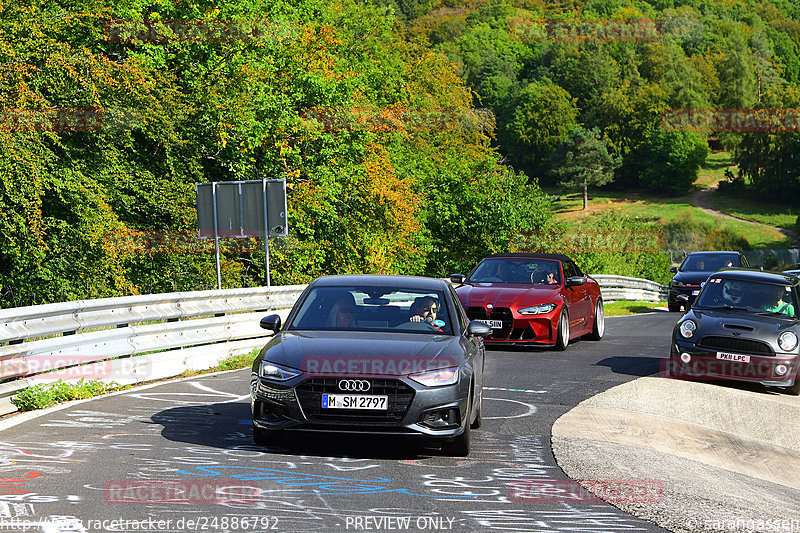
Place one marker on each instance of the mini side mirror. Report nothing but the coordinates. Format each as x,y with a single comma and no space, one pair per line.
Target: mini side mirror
271,322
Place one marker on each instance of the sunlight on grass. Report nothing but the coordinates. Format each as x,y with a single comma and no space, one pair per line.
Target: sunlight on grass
624,307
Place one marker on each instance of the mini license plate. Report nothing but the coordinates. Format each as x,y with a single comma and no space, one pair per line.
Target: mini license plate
733,357
494,324
355,401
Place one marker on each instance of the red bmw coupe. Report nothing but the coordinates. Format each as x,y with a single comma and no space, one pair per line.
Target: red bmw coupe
532,299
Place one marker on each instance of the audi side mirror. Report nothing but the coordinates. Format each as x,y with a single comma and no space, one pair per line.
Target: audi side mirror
478,329
271,322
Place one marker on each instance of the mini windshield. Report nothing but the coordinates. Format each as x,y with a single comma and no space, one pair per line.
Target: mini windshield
750,296
373,309
517,270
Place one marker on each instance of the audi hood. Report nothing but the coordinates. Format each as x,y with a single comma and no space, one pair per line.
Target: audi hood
363,353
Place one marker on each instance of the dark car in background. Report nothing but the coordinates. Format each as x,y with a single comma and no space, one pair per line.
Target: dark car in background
744,326
694,270
388,355
532,299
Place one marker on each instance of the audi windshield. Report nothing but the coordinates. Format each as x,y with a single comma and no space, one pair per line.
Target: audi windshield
373,309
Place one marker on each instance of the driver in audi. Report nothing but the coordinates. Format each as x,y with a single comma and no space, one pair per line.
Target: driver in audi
423,309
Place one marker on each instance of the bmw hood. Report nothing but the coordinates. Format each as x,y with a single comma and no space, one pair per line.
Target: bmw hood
364,353
506,295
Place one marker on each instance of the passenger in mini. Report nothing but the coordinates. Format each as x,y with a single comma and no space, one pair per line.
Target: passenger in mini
775,303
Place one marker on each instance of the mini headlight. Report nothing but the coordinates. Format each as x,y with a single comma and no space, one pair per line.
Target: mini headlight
787,341
688,328
277,372
436,378
537,309
678,283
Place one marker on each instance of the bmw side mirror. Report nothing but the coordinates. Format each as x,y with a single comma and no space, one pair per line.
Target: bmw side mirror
271,322
573,281
457,278
673,269
478,329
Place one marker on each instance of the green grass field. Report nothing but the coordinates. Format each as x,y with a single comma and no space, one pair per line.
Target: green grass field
663,211
630,308
782,217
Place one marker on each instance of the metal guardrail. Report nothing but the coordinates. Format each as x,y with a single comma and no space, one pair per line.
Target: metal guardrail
614,288
56,336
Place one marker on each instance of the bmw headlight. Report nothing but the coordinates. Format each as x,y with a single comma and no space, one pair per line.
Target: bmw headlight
436,378
688,328
537,309
277,372
787,341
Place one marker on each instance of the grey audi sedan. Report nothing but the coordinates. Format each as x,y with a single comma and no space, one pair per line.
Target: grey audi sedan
366,354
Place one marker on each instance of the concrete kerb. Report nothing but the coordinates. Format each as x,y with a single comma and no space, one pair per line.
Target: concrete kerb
713,447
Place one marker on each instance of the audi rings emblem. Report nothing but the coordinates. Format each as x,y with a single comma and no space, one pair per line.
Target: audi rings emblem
354,385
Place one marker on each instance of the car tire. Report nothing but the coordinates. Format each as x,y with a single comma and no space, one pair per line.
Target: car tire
261,436
562,332
794,390
459,446
674,308
479,415
599,323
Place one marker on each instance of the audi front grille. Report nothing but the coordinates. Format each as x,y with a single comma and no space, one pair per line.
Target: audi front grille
310,392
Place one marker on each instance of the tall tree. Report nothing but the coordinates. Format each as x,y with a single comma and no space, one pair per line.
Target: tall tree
583,160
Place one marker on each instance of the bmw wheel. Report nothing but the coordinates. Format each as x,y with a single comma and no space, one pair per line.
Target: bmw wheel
562,337
599,326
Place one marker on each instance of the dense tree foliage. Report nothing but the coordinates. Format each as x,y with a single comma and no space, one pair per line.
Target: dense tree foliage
620,66
388,168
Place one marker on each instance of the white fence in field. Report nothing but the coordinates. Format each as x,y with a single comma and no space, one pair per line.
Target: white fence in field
169,333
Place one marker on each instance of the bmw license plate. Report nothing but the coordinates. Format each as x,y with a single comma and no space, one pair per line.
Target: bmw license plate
733,357
494,324
355,401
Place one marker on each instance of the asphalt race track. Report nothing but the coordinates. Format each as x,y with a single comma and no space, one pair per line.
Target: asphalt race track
179,456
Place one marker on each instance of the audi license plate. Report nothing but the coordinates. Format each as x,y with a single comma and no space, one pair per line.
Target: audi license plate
494,324
733,357
355,401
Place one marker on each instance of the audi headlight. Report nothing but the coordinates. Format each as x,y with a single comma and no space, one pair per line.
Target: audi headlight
436,378
277,372
787,341
537,309
688,328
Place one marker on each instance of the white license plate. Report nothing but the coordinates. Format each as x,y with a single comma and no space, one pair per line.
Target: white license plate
695,293
494,324
733,357
355,401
